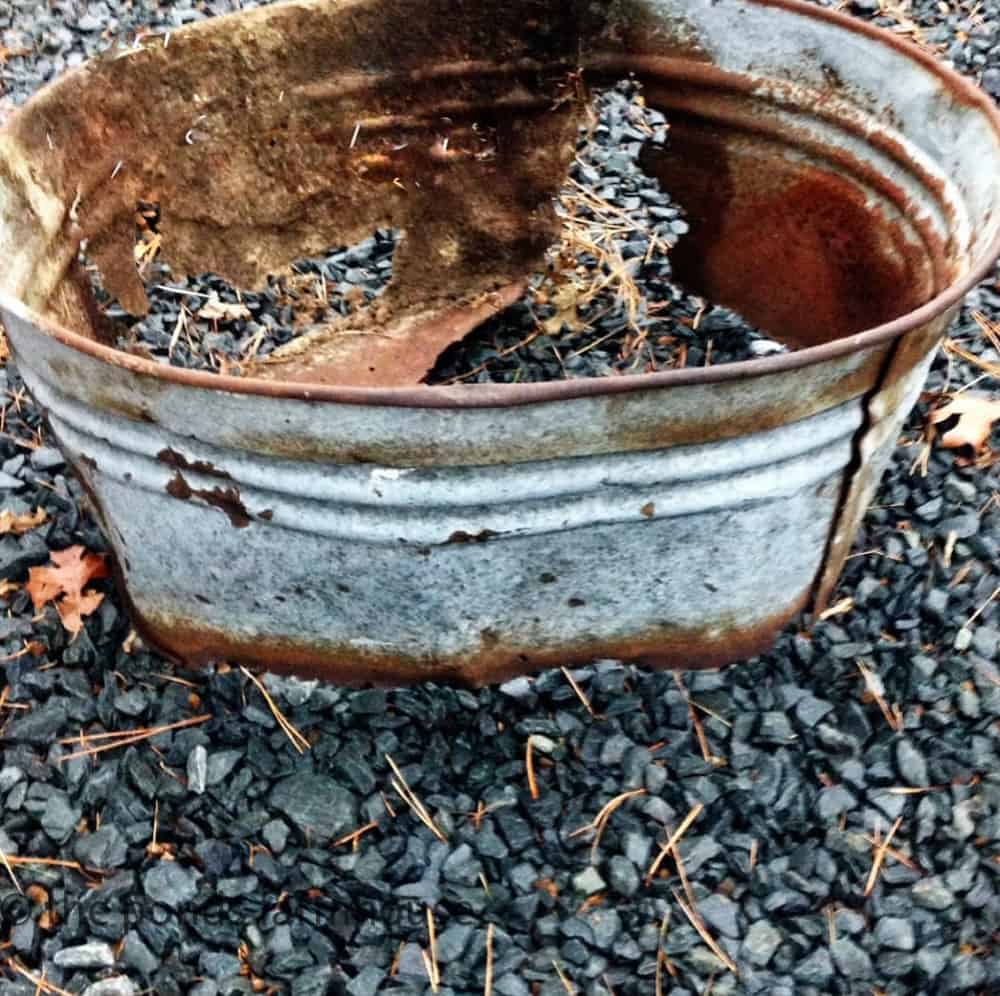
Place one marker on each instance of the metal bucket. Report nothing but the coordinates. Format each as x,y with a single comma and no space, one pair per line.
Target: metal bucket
842,190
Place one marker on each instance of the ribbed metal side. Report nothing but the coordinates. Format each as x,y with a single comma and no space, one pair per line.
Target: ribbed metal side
438,565
835,180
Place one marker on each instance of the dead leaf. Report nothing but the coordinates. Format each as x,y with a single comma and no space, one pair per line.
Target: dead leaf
19,524
566,299
63,584
976,414
223,311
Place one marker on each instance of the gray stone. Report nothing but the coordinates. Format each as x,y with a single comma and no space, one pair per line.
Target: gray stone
104,848
461,867
721,913
59,819
366,982
963,526
964,975
963,639
895,932
911,763
589,881
453,941
622,876
816,969
197,769
835,800
275,834
932,894
852,961
320,807
171,884
117,985
135,954
94,954
761,942
220,765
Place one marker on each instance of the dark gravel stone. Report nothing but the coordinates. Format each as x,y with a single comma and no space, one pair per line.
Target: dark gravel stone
911,764
319,806
104,848
171,884
95,954
895,932
851,960
762,940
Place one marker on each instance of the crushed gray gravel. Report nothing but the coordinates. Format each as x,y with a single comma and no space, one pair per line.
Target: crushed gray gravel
215,859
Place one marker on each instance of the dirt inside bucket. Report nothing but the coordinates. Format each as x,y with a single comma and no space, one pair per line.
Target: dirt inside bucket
605,304
402,204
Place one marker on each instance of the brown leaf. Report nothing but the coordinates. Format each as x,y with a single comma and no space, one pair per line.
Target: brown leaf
566,299
63,583
18,524
976,414
223,311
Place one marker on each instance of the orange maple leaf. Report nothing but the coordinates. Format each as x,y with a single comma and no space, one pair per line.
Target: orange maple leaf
976,414
63,583
18,524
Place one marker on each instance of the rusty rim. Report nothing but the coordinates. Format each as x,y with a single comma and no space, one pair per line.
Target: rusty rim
509,395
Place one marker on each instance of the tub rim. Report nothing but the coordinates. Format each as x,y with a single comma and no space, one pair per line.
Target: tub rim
473,396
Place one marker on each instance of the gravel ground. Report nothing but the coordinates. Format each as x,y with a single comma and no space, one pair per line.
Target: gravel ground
211,859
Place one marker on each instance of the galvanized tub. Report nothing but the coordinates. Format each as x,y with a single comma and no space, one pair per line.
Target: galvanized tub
842,189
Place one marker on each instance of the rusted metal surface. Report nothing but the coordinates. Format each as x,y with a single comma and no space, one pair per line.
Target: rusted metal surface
842,192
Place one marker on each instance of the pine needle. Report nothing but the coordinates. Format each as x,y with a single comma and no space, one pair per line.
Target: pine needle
674,839
41,984
567,985
488,984
879,857
896,855
600,823
10,871
123,738
579,693
529,764
435,973
873,686
354,837
662,961
299,742
401,786
699,925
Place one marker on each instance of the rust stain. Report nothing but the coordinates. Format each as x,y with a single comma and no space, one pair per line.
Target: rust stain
179,462
226,500
494,661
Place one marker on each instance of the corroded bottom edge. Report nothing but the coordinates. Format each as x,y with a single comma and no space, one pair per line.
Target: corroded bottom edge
664,649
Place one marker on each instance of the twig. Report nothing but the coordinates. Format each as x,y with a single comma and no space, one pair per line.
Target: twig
674,838
400,784
879,857
299,742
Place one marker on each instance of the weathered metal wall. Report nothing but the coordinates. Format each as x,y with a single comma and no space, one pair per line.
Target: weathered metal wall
469,532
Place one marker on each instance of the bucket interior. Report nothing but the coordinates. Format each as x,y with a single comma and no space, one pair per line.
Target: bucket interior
833,179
